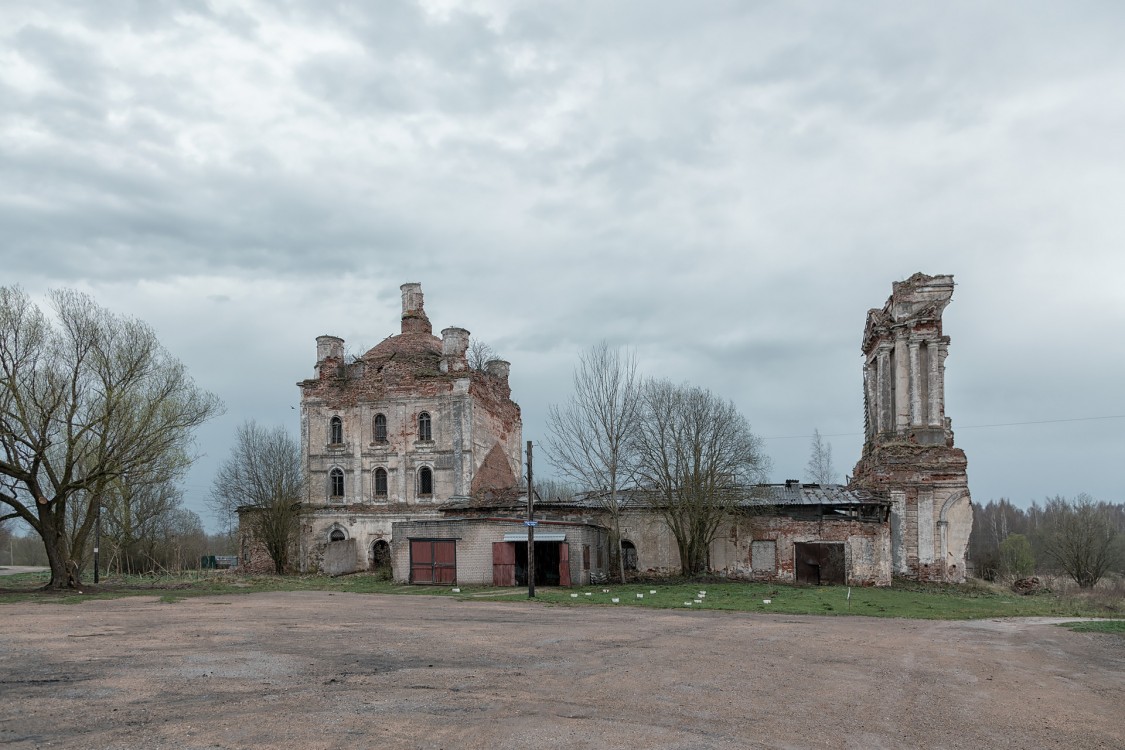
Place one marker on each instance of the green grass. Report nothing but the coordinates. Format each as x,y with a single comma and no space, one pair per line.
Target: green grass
1117,627
927,602
905,599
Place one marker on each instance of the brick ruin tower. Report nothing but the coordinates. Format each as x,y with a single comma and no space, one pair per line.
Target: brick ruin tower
908,452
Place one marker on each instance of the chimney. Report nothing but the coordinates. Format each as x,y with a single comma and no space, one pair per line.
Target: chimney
454,344
414,318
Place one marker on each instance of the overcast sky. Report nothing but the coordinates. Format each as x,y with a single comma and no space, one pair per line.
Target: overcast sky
726,187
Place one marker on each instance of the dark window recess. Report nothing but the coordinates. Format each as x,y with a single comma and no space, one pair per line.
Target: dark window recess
336,483
380,428
380,483
820,563
629,550
337,536
424,431
425,481
336,431
433,561
585,557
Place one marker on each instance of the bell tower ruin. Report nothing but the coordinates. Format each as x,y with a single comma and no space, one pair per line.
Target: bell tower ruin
908,452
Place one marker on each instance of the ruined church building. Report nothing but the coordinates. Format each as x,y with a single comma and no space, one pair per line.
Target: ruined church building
413,460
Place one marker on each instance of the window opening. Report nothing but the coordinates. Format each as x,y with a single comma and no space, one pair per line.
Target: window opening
380,483
337,536
336,431
424,431
425,481
380,428
336,483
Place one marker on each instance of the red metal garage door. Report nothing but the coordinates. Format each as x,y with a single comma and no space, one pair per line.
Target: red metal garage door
433,561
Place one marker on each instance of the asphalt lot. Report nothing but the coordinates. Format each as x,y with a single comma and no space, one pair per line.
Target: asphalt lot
331,670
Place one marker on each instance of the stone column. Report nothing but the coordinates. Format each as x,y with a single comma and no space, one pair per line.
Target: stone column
902,384
937,384
884,415
917,416
933,411
870,378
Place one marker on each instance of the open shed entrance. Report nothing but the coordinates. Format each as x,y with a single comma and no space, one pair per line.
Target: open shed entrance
552,563
820,562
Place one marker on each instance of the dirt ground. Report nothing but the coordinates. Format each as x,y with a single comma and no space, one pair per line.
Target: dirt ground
324,670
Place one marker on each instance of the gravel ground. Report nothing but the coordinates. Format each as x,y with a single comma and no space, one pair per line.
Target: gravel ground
324,670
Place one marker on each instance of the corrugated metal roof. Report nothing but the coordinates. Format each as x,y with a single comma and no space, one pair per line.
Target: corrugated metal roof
787,494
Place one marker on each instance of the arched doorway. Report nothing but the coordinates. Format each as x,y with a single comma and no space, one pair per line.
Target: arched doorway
629,551
381,558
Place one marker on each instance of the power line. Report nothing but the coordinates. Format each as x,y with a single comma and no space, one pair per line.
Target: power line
963,427
1041,421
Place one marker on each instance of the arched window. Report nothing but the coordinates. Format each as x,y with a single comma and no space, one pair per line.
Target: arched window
337,535
336,431
424,432
380,428
336,483
425,481
380,483
629,550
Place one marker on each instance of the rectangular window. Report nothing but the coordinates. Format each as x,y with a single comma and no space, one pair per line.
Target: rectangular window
433,561
585,557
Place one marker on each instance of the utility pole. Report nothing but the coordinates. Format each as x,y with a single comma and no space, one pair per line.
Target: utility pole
97,539
530,529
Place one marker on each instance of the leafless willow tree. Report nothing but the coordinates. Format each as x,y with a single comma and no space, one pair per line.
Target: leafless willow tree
143,518
589,439
87,398
696,455
1079,537
480,353
820,469
263,475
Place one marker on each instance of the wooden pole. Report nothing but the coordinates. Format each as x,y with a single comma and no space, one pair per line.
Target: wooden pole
530,528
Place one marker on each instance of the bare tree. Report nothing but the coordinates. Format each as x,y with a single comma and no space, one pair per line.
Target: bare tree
696,454
86,398
820,468
1079,537
263,476
480,354
136,512
589,439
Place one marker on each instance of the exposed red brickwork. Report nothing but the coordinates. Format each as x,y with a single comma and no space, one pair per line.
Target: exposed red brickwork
494,472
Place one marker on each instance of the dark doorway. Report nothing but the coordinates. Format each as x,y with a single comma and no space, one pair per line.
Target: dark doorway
629,550
381,555
820,563
547,559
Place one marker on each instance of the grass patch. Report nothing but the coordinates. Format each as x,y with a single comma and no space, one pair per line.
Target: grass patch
905,599
917,601
1117,627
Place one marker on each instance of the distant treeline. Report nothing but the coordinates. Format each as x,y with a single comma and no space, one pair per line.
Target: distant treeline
1011,541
